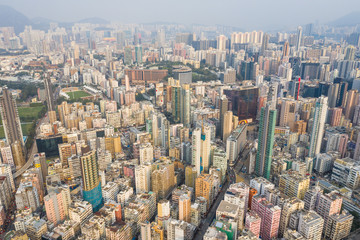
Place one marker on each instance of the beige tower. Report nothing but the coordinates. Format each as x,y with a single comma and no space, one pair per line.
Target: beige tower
185,208
227,127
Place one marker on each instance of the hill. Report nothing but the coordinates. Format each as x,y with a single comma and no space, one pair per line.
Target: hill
94,20
9,17
350,19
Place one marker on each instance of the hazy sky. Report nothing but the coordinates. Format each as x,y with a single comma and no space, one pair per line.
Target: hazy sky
248,14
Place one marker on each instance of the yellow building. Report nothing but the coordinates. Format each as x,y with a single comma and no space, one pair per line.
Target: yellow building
157,231
185,208
52,116
339,225
190,176
293,184
162,178
113,144
204,188
66,150
18,154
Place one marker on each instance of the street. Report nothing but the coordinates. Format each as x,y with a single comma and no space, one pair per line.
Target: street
211,213
231,173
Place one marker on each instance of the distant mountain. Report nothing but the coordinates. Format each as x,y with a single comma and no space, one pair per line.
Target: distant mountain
94,20
41,23
350,19
9,17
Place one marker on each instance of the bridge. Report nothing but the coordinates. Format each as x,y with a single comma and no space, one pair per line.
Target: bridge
29,162
30,155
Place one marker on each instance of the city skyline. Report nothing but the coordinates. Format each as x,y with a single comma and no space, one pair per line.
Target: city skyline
170,132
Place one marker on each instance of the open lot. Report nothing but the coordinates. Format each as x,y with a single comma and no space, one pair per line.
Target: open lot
77,94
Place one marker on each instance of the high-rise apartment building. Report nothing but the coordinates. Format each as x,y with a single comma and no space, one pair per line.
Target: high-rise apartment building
221,42
142,178
317,132
310,225
55,207
338,225
311,198
91,180
10,118
185,105
293,184
298,38
162,179
66,150
5,192
289,206
253,222
223,105
288,113
113,144
18,154
328,205
227,125
163,212
49,94
146,153
266,141
201,141
220,161
270,217
5,170
40,162
185,208
190,176
204,187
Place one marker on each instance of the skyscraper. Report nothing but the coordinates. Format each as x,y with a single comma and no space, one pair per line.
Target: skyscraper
175,101
204,187
10,118
266,141
352,100
49,94
205,147
298,38
223,104
221,42
91,180
286,49
138,54
185,208
318,126
201,141
227,125
196,152
40,162
288,113
265,43
185,105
